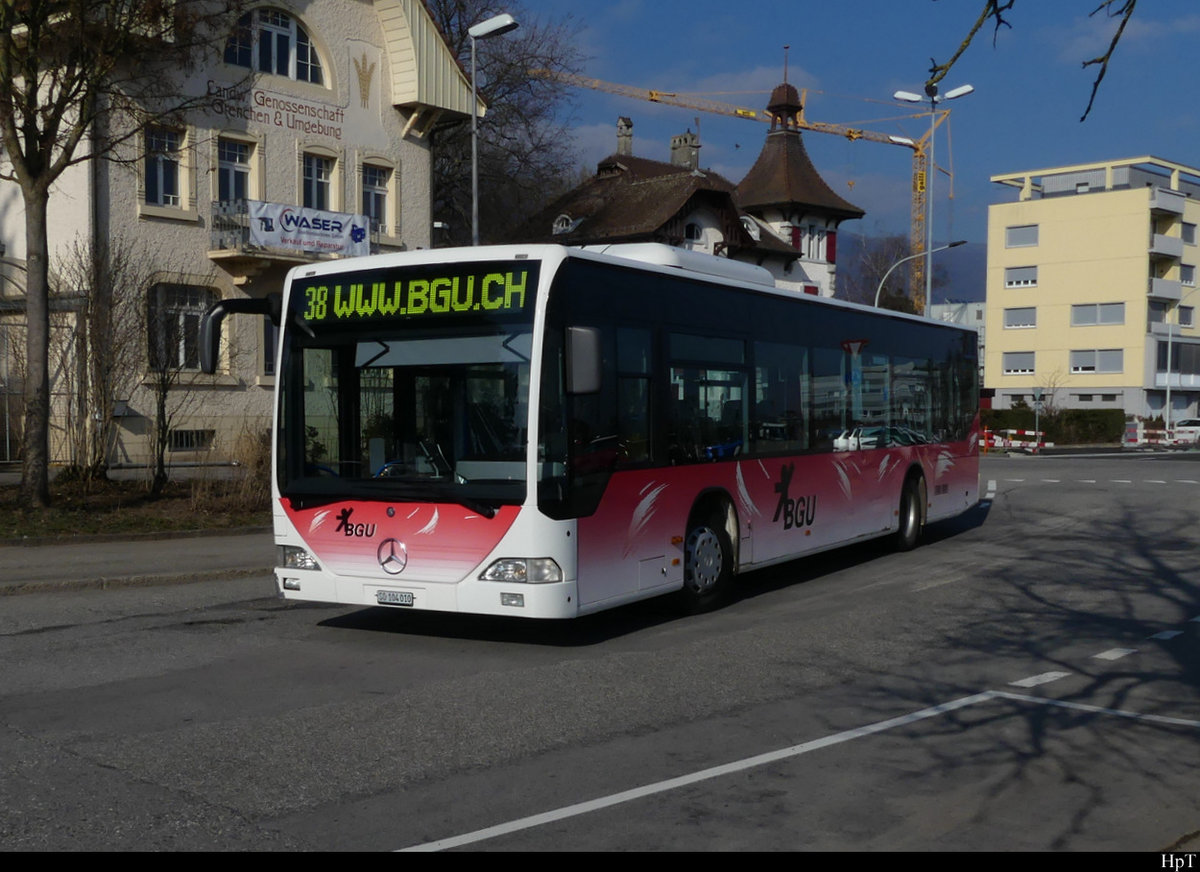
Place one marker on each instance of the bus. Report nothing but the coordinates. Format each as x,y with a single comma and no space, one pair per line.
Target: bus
548,432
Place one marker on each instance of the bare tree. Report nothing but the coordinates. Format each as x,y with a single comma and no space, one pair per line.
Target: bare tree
77,79
995,11
526,153
103,283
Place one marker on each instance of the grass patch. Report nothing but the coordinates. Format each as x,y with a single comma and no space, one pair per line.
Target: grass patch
125,508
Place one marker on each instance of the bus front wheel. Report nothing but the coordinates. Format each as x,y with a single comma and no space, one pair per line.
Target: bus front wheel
912,514
708,564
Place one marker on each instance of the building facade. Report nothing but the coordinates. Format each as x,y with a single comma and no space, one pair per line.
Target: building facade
312,141
1090,283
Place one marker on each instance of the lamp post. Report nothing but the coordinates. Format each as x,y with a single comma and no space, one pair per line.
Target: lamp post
879,290
494,26
931,92
1167,318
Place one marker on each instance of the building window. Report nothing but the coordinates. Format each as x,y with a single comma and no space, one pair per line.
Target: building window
271,41
1091,314
1108,398
1018,363
1020,277
163,153
1188,232
270,342
1156,312
174,324
375,196
1085,398
233,170
1025,316
318,181
1187,316
191,440
1102,360
1021,236
1187,274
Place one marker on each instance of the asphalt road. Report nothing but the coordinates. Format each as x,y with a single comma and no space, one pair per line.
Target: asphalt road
1028,679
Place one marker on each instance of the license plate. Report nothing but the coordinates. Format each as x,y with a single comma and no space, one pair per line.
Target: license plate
394,597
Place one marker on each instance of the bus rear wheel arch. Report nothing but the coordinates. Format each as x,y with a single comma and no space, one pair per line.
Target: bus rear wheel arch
913,499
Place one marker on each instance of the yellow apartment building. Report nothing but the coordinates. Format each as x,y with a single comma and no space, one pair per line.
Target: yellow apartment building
1091,283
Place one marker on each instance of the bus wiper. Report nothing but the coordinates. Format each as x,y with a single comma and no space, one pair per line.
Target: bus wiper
479,508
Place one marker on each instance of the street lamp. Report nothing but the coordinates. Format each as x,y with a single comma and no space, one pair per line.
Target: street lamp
879,290
931,92
1167,318
494,26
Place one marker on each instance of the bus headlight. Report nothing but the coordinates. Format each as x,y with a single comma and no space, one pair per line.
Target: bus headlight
524,570
295,557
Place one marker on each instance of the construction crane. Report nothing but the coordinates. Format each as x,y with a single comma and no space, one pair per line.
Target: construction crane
919,147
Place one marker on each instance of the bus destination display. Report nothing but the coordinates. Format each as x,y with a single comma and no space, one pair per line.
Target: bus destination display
486,291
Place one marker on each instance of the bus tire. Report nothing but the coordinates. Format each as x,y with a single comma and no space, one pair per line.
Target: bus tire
912,513
707,565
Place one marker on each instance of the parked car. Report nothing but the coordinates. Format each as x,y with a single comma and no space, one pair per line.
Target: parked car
1187,431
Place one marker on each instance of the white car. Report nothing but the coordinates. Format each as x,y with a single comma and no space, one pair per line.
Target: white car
1186,431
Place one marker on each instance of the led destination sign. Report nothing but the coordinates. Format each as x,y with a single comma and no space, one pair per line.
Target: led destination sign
407,294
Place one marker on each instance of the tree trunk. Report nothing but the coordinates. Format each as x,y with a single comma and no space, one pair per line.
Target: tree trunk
35,470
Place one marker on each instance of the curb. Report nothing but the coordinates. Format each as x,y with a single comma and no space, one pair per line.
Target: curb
17,588
88,538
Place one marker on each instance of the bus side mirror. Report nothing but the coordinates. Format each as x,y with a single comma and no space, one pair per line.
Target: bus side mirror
210,325
583,360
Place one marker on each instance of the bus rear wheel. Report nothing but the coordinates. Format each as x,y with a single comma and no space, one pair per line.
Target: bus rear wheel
707,565
912,514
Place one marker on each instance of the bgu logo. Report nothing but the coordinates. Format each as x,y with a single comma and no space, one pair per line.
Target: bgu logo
346,528
798,512
299,221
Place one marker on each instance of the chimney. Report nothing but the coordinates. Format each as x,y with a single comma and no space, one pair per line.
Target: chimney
685,150
624,135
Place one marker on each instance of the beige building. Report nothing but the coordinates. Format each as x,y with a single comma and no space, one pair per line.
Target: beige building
314,144
1091,276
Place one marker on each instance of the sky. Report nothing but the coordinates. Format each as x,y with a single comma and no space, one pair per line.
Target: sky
1030,89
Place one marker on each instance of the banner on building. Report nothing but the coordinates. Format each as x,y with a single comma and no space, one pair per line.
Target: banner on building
280,226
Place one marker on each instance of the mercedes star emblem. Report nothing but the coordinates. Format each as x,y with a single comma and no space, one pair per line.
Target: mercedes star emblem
393,556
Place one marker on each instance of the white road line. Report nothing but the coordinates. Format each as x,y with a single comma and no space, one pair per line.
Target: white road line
1014,479
1051,480
703,775
991,490
1195,620
1167,634
1035,680
1087,481
581,808
1186,481
1154,481
1114,653
1078,706
1120,481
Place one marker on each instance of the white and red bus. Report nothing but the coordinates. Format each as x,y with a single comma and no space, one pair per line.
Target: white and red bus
547,432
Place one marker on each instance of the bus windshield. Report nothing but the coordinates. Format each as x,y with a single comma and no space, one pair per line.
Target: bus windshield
412,404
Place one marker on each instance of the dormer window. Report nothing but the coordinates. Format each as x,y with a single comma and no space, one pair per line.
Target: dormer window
271,41
565,224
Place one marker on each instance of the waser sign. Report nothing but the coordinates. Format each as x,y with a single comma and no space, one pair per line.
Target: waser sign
281,226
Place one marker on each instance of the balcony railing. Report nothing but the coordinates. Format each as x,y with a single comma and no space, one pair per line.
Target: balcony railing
1165,289
230,232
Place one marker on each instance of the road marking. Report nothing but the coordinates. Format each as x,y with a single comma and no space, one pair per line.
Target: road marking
1187,481
1035,680
1120,481
1014,479
1087,481
1195,620
1155,481
1051,480
603,802
1114,653
1167,634
991,490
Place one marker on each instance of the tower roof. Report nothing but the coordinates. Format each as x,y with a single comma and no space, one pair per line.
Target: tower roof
784,174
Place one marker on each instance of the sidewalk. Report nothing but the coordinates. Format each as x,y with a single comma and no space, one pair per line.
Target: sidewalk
67,565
